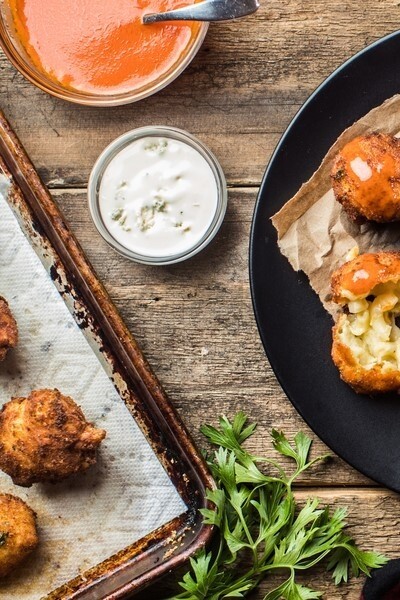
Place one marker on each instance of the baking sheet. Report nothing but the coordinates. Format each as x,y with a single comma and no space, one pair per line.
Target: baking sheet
127,494
314,232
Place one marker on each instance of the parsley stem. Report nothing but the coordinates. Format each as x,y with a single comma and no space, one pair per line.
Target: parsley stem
260,527
291,568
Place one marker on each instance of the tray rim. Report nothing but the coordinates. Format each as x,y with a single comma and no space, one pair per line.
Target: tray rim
164,549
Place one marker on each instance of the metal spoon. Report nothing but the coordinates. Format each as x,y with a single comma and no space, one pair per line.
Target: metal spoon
208,10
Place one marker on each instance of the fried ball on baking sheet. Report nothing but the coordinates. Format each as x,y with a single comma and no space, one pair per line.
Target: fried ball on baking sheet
366,337
366,178
45,437
18,535
8,329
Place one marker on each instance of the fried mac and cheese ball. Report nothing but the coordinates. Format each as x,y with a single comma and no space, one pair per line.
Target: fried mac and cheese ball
8,329
45,437
18,534
366,337
366,178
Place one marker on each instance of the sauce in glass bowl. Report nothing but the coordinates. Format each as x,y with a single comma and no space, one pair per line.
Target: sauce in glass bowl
101,46
157,195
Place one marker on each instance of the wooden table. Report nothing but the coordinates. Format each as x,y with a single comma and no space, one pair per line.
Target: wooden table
195,321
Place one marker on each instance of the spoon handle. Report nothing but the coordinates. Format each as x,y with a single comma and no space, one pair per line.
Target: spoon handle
208,10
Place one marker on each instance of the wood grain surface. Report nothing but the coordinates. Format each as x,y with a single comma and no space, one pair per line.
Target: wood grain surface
194,320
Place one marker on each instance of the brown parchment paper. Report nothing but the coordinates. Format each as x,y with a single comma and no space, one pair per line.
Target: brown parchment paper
314,232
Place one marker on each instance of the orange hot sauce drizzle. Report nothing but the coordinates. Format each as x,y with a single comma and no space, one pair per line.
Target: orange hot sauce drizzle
371,270
100,46
381,189
367,271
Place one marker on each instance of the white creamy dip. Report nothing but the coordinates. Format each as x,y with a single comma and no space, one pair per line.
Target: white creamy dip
158,196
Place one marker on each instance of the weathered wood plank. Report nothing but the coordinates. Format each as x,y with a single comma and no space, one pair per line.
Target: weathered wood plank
195,323
238,95
373,522
194,320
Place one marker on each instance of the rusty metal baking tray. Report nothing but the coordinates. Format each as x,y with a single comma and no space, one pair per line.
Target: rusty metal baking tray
138,565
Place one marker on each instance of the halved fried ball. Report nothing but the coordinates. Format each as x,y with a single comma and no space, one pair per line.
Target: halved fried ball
45,437
8,329
366,177
366,337
18,534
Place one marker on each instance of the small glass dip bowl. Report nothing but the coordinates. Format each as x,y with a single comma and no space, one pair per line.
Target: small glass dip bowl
168,133
17,55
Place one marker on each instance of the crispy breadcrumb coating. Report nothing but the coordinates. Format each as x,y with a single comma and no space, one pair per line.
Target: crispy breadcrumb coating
18,534
366,338
45,437
8,329
366,178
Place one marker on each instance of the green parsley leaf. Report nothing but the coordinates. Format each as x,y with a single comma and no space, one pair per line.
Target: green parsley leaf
259,526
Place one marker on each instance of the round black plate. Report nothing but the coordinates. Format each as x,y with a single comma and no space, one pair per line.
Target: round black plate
294,327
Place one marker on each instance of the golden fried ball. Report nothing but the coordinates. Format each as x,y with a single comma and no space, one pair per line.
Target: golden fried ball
18,534
366,337
45,437
8,329
366,178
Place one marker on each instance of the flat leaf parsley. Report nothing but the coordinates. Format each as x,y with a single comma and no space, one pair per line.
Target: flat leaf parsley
260,528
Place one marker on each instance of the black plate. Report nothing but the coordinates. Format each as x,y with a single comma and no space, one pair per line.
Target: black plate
294,327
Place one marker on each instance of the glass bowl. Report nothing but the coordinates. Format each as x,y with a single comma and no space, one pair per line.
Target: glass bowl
16,53
122,142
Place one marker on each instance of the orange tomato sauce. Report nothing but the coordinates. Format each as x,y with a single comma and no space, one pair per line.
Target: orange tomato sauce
100,46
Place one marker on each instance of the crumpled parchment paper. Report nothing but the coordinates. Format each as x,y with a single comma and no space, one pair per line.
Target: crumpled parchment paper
314,232
89,517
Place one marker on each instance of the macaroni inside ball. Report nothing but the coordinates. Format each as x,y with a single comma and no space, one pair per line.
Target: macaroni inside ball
369,328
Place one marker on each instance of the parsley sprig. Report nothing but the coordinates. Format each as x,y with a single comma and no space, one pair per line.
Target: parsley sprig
261,529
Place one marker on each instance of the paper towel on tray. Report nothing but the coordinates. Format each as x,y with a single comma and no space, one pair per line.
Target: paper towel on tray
87,518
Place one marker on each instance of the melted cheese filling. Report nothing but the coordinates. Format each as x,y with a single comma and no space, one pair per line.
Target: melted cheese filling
370,330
